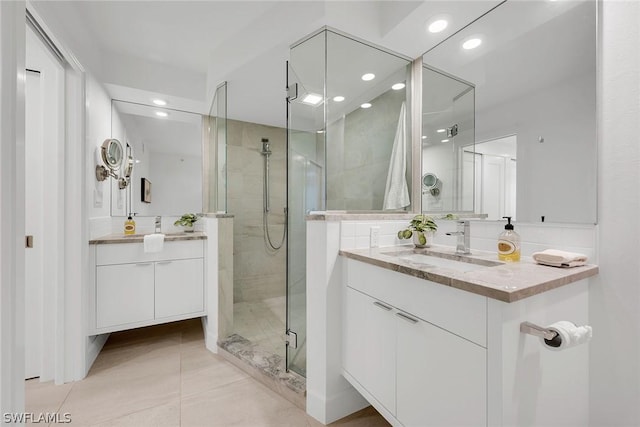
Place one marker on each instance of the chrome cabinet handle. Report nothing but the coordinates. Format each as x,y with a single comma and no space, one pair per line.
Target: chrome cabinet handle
407,317
163,262
382,306
143,264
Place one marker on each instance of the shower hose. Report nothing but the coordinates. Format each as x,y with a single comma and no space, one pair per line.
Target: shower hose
265,210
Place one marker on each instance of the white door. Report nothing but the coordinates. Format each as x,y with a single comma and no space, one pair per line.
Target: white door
44,200
33,225
441,378
179,287
369,351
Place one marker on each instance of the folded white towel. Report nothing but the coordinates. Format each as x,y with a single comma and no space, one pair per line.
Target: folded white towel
153,243
556,258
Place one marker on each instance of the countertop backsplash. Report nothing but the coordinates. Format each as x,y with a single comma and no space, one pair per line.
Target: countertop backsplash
484,235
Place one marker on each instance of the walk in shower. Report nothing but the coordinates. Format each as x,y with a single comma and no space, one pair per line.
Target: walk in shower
335,153
348,120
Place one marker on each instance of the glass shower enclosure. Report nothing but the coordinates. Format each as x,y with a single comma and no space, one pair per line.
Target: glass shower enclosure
348,112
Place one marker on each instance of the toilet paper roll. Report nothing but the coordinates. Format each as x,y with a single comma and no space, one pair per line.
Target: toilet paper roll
569,335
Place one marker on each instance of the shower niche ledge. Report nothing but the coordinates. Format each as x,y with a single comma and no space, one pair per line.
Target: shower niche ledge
131,289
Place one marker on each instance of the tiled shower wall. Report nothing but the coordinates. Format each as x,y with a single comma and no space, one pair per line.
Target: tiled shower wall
358,162
258,273
484,236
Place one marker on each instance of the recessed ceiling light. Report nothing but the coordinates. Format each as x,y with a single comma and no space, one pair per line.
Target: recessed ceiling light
398,86
368,76
437,26
137,161
161,114
365,105
160,102
312,99
441,130
320,131
338,98
471,43
424,136
445,140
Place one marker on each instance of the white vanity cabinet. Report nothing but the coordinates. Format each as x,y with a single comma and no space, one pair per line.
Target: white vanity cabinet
427,354
132,288
421,373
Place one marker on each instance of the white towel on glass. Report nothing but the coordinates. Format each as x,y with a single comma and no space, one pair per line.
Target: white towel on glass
558,258
396,193
153,243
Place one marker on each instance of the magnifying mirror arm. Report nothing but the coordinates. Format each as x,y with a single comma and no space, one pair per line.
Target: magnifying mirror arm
103,173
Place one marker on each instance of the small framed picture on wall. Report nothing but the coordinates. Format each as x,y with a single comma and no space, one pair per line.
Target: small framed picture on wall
145,193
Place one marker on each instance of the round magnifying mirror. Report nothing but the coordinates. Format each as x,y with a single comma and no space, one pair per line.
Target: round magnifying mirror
429,180
112,154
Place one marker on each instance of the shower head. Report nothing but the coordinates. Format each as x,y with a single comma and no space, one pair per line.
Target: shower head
265,147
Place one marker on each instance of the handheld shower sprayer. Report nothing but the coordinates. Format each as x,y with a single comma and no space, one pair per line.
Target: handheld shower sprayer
266,152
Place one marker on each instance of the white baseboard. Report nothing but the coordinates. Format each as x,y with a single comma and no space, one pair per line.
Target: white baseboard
335,407
210,337
94,346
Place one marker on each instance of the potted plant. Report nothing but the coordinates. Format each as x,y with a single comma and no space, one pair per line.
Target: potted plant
187,221
421,228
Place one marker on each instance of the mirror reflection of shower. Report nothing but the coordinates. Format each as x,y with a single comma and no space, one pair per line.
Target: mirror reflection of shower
266,152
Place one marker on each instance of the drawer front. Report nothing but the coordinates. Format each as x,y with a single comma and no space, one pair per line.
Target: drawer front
127,253
457,311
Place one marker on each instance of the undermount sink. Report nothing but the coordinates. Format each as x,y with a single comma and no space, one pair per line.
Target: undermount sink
462,264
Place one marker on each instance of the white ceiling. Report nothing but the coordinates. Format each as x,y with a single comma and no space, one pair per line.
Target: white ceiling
185,48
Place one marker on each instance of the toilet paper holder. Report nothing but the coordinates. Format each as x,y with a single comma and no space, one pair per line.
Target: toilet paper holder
538,331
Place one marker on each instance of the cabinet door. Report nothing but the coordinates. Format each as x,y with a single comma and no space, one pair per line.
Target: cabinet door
179,287
369,353
441,377
124,294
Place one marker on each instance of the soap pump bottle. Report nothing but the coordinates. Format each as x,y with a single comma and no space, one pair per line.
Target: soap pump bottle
509,243
129,226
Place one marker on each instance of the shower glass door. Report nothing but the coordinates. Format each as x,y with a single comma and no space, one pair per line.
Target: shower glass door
305,180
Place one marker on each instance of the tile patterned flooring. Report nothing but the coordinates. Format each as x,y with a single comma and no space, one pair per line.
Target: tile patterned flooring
262,322
164,376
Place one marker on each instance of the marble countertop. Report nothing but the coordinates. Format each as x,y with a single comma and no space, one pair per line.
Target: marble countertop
139,238
506,282
376,216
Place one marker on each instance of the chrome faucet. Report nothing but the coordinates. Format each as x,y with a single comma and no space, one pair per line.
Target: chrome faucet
158,224
464,237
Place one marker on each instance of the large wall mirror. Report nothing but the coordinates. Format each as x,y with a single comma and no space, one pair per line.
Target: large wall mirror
533,77
166,146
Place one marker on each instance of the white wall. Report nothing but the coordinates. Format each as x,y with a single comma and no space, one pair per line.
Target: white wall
98,128
178,191
615,295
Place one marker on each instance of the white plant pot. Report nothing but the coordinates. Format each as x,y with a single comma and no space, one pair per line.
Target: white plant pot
424,241
187,228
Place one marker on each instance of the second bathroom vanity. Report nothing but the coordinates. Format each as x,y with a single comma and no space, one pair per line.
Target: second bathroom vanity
431,338
131,288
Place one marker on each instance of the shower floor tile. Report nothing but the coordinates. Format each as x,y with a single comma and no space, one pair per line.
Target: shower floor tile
262,322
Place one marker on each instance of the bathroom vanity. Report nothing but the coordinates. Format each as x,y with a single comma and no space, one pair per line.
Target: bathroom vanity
131,288
430,338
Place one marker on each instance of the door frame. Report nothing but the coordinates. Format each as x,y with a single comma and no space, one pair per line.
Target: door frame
12,200
69,305
70,310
